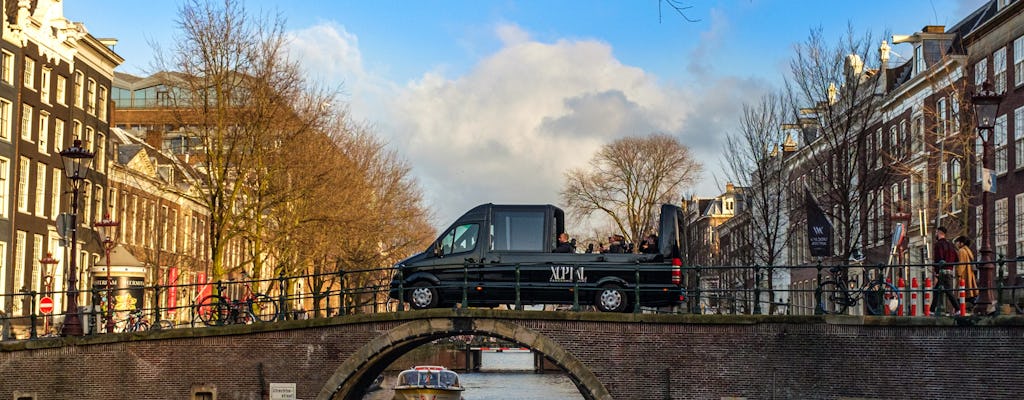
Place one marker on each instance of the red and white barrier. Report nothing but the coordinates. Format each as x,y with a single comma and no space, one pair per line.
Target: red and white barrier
963,299
927,296
913,297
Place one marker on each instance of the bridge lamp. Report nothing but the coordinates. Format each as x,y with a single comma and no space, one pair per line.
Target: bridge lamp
108,235
986,109
76,161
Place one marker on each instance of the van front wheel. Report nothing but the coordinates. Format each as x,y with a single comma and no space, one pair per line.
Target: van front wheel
611,298
423,295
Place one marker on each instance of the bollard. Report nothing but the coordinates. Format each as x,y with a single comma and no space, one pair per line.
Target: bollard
927,309
913,297
963,299
901,285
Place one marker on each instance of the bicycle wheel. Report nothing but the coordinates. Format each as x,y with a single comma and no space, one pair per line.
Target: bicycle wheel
213,310
880,295
834,298
264,308
163,324
142,326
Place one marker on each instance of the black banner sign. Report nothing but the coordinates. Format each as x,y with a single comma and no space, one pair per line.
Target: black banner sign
819,229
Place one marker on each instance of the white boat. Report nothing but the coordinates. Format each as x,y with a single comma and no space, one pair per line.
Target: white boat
428,382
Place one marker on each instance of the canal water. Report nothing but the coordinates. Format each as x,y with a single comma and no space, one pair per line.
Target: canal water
502,376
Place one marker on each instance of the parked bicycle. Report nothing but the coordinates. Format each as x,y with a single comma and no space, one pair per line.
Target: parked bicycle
217,309
135,322
838,293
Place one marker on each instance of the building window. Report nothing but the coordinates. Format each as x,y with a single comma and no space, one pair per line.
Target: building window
26,122
86,200
1018,222
940,118
90,97
44,132
55,195
58,135
62,89
37,270
44,86
999,67
1018,136
101,153
20,253
23,173
894,141
76,130
1018,63
999,139
5,119
90,142
7,67
41,189
30,74
1002,228
78,88
954,114
102,114
955,184
919,62
5,173
980,72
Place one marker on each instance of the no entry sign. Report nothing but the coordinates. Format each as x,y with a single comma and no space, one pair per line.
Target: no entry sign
46,305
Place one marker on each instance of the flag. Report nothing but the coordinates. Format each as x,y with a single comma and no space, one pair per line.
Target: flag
988,180
819,229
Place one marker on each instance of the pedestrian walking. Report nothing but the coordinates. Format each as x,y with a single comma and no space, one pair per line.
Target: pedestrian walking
946,259
965,269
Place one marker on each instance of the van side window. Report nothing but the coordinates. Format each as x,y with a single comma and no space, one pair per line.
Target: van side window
460,239
517,231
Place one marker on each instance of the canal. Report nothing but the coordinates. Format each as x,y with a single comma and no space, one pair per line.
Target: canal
502,376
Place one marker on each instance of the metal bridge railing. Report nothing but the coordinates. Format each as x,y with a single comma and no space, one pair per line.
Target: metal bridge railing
755,289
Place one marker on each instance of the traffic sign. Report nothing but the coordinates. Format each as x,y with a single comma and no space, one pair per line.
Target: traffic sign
46,305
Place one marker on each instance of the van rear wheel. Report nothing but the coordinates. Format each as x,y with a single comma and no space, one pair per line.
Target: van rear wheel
611,298
423,295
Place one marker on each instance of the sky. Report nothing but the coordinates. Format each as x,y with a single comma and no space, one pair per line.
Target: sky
493,101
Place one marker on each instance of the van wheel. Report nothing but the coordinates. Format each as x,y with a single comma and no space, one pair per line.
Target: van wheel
423,295
611,298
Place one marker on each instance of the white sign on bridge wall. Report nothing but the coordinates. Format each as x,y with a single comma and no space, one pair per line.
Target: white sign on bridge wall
282,391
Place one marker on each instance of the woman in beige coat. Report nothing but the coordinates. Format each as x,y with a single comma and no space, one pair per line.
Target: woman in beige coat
965,269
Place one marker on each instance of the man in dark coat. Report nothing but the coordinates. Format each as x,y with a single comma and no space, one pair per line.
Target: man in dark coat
946,258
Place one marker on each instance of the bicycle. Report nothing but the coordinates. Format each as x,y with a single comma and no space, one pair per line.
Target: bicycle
838,294
135,322
216,309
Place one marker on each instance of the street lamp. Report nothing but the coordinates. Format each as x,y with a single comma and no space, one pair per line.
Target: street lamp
986,107
48,262
75,158
108,234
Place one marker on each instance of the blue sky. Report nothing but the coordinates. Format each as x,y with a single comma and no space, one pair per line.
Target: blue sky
491,101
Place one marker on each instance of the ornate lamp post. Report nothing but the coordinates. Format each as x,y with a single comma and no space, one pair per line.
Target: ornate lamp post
986,108
108,233
76,160
48,262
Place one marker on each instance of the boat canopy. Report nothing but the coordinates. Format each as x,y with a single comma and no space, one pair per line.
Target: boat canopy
429,377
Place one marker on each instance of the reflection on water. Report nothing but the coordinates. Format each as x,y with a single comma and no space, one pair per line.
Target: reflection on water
505,376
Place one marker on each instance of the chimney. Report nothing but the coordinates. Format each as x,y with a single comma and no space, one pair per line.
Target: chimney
933,29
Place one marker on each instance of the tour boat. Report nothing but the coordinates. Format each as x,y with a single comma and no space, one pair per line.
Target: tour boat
428,382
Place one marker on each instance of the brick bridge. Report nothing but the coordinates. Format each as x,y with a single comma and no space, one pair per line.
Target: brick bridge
608,356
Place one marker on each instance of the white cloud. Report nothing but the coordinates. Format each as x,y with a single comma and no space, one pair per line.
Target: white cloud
507,130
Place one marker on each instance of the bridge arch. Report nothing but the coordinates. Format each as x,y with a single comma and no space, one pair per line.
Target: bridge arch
356,373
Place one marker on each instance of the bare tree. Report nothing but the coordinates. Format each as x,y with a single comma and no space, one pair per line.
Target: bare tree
629,179
235,88
841,161
755,162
